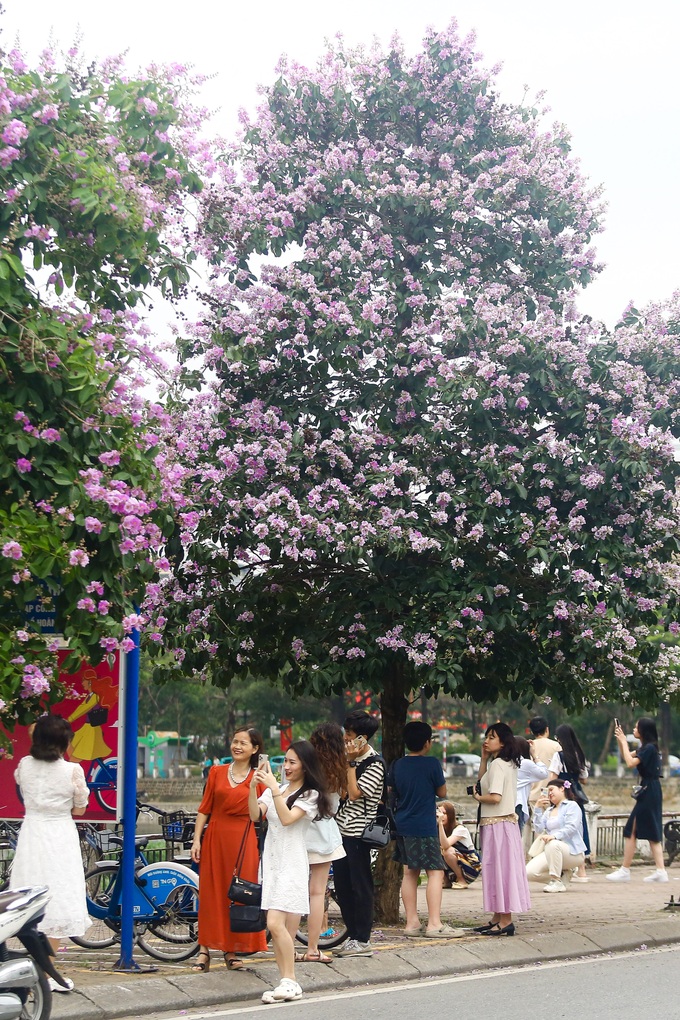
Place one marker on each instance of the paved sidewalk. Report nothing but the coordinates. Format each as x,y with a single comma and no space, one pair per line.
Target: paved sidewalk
592,918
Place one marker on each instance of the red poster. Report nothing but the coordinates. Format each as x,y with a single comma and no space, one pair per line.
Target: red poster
91,706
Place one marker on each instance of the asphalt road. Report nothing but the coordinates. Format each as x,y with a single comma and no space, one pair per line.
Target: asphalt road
606,987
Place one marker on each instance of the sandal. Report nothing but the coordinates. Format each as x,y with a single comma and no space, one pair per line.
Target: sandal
202,965
233,963
315,956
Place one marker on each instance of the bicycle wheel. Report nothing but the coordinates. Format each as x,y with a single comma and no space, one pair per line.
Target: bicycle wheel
175,935
6,859
89,848
336,929
103,931
107,796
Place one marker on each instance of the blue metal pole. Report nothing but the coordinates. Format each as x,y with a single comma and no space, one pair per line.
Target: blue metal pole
131,718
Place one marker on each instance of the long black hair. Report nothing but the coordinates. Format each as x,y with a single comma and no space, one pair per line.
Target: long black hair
313,777
646,728
572,753
509,748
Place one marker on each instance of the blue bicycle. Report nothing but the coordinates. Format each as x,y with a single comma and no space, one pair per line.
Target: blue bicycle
165,902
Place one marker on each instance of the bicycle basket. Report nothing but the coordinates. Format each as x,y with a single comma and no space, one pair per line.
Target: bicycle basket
106,844
172,825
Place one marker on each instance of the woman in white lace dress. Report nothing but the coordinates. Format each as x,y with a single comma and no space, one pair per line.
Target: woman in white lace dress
48,850
285,864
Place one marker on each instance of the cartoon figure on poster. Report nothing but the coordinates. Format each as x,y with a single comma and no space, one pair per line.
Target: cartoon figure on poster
98,709
91,707
88,740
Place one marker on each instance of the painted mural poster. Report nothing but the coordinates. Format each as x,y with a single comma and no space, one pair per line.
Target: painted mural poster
91,705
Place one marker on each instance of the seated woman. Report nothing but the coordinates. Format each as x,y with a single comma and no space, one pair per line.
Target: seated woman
557,824
458,850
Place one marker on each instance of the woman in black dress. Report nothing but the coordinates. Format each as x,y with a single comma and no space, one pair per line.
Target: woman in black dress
645,818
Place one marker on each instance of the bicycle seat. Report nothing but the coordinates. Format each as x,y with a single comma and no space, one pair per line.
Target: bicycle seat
140,841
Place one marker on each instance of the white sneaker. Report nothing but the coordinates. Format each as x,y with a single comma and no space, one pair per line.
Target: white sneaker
620,875
555,885
285,991
355,948
657,876
56,987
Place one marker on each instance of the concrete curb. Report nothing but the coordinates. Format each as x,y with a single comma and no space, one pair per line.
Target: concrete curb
142,995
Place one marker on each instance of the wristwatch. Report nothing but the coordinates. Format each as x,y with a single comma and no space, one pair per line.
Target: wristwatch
351,764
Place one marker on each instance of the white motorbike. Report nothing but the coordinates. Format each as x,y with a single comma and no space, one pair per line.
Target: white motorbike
24,990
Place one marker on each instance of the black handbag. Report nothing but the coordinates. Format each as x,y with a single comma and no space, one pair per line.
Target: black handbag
244,917
98,716
637,791
377,833
240,889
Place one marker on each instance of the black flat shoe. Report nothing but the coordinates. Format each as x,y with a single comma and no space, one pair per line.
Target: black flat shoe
484,927
495,929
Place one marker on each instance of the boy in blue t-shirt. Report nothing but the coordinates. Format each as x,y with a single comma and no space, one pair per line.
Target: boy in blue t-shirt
415,782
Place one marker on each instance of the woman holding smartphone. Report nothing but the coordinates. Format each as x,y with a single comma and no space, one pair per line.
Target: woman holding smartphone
505,888
570,763
289,811
645,820
557,824
225,806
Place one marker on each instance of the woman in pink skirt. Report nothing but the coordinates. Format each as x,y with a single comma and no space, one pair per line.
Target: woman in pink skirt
504,879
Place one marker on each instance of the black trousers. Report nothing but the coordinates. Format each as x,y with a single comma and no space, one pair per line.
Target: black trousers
354,888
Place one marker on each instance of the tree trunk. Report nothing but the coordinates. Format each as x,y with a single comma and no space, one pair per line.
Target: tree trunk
666,730
424,707
607,743
393,707
338,710
230,724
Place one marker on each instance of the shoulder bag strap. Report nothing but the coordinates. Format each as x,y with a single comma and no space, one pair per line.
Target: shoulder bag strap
242,849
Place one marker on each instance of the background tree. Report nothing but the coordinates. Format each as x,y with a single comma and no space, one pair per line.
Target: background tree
210,714
94,176
417,466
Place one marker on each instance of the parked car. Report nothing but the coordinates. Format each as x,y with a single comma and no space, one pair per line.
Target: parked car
473,760
674,764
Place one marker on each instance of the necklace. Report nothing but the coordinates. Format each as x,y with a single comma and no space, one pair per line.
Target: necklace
232,777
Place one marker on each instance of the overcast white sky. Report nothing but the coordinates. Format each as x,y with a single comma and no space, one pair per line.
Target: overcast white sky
609,69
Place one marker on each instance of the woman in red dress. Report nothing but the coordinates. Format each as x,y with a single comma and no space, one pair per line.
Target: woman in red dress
225,804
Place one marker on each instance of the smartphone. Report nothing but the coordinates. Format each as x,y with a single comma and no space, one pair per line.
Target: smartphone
544,791
616,723
262,761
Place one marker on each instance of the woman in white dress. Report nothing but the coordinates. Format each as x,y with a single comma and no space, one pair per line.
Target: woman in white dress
48,849
285,864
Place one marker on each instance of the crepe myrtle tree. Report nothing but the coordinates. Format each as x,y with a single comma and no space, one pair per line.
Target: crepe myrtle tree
415,465
95,171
